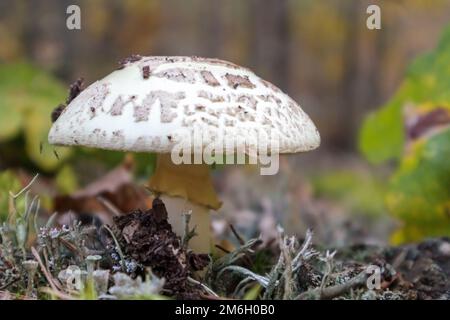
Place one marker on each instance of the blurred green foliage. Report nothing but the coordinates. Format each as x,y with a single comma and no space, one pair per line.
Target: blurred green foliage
419,191
27,98
66,180
359,192
8,183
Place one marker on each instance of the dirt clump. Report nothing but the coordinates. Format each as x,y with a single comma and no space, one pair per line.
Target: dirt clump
147,238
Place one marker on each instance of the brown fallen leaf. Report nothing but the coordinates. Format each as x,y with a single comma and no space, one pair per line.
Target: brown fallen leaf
420,123
111,194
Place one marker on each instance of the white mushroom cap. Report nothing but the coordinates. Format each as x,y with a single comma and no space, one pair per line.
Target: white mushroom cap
151,104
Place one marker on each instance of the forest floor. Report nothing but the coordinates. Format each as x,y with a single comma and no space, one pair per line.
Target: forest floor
112,261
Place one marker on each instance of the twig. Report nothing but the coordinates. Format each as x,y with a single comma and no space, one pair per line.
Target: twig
12,212
108,205
241,241
242,286
56,154
9,283
398,260
207,289
336,290
29,207
119,250
262,280
303,250
69,245
237,235
187,234
218,246
273,278
35,218
287,274
28,186
51,220
328,259
47,274
211,297
233,256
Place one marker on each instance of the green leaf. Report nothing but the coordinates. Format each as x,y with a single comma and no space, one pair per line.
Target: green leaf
419,192
427,80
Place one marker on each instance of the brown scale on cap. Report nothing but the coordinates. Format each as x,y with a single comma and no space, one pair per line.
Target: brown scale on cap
167,115
118,105
96,97
236,81
188,111
118,137
210,96
248,100
141,112
230,122
178,75
169,103
146,72
209,78
210,121
130,59
92,112
266,97
213,112
200,107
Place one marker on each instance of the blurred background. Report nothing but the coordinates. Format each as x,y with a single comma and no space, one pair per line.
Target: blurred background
355,188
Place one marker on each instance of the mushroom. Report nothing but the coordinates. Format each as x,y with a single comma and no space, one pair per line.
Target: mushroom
153,104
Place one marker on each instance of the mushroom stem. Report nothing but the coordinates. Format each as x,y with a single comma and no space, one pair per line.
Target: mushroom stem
183,188
200,219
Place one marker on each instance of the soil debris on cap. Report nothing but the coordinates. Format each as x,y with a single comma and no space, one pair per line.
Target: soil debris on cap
130,59
57,112
147,237
146,72
75,89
